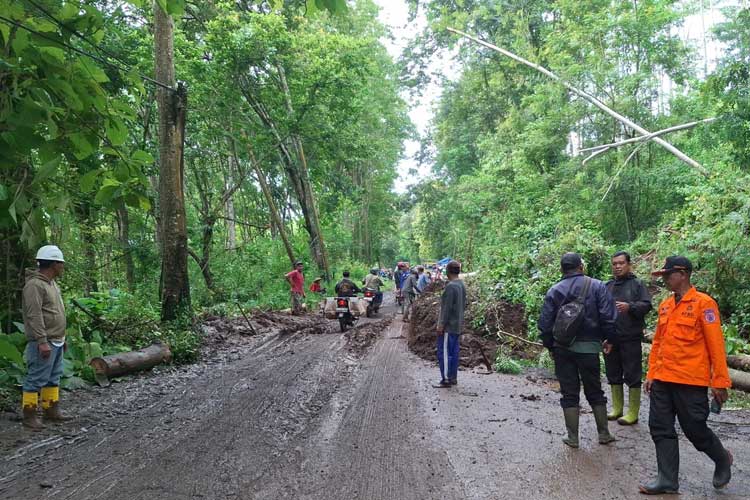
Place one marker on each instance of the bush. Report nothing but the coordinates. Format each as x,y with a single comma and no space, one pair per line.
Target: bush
506,364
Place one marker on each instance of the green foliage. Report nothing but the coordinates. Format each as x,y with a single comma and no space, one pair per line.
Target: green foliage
510,195
506,364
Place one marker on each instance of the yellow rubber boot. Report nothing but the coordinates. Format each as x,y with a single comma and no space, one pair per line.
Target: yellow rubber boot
30,418
51,404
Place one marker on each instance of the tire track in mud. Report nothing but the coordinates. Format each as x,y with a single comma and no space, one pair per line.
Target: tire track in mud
196,437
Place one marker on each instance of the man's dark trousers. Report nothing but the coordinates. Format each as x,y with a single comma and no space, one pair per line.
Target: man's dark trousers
624,363
571,369
690,404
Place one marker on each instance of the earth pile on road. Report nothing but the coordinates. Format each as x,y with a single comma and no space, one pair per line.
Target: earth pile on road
478,346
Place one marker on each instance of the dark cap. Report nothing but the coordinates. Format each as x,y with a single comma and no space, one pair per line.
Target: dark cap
675,263
570,261
298,263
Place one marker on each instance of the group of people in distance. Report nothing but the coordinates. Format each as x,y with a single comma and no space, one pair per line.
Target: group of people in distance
582,317
687,359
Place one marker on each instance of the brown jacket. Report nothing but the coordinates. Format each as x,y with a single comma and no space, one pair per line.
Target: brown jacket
43,308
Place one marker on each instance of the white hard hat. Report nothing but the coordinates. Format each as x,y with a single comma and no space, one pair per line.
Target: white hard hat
50,252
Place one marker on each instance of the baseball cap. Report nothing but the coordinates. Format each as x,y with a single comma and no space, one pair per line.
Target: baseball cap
570,261
675,263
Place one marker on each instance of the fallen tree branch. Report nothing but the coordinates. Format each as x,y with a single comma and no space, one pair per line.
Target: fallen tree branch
646,137
619,170
588,97
501,332
252,328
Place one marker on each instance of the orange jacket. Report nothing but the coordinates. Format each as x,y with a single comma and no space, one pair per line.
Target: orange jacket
688,345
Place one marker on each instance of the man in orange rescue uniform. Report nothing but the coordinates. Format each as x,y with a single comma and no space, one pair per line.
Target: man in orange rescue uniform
687,357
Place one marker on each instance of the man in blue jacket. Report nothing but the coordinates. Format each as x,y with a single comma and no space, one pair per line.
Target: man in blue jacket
579,362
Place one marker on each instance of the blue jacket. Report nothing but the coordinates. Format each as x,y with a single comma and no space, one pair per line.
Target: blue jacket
599,313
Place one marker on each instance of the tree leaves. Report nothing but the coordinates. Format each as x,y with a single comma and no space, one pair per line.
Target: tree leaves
116,131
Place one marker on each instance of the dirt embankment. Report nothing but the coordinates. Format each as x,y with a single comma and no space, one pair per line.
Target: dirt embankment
479,345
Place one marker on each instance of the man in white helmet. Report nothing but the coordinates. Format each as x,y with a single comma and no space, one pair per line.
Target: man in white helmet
44,322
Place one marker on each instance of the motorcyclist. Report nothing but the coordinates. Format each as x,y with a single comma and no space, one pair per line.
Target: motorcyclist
346,287
374,282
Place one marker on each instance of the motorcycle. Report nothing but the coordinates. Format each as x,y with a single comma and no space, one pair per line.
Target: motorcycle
344,314
374,299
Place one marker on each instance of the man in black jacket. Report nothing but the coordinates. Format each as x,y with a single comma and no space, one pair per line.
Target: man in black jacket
579,362
624,363
346,287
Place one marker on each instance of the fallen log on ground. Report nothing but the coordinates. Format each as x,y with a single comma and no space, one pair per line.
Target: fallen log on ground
123,363
740,380
739,362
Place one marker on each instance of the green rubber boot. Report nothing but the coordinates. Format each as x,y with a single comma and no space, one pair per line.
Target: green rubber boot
600,415
618,398
571,424
634,406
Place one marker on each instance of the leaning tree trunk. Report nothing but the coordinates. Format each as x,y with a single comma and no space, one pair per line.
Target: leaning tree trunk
317,245
175,288
276,220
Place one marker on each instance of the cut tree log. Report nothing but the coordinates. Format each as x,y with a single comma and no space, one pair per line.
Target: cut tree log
129,362
739,362
740,380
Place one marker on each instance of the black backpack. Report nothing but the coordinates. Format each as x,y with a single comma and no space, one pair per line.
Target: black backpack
570,317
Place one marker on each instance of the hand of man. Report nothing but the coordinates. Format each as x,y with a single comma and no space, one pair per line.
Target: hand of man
622,307
45,350
606,347
720,395
440,329
647,386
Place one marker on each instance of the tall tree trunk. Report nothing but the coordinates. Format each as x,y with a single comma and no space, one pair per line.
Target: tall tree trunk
86,222
231,216
15,259
317,244
204,261
171,104
123,234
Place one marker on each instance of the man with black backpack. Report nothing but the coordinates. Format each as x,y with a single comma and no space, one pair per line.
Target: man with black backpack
578,317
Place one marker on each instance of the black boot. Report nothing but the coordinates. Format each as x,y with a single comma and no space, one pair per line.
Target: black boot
668,464
723,460
602,427
571,424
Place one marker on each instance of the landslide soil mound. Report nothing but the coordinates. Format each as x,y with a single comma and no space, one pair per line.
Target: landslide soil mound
478,347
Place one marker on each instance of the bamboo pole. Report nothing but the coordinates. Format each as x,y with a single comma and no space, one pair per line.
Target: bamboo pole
647,137
593,100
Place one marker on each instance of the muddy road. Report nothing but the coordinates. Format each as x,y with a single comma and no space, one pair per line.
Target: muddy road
302,411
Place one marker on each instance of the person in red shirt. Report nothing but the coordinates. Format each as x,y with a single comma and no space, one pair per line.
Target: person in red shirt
297,283
315,286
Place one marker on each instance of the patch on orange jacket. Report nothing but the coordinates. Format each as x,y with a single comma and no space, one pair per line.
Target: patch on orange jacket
709,315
